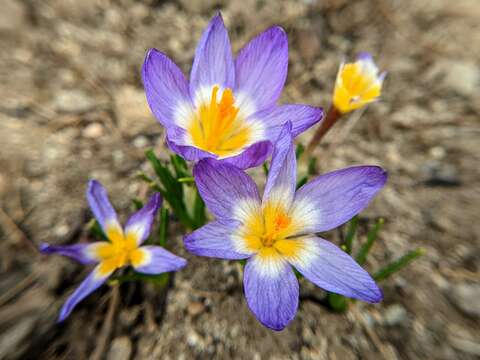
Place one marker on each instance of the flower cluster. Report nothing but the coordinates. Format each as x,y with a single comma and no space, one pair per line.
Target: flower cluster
226,119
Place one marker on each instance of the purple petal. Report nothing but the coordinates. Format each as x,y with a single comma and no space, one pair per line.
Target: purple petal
334,198
83,253
176,142
332,269
302,118
213,62
225,188
166,88
252,156
216,240
281,181
271,290
102,209
139,224
92,282
261,67
158,260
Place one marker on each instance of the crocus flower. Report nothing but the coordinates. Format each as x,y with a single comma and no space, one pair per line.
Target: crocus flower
357,84
228,110
277,231
123,248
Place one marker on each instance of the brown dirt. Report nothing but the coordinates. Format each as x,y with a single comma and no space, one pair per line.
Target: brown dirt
72,107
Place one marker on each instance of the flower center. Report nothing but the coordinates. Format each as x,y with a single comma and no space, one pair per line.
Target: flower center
121,251
217,126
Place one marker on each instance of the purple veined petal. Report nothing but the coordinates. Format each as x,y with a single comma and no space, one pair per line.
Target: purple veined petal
216,240
97,198
91,283
252,156
176,142
157,260
166,89
139,224
302,118
334,198
261,68
228,192
82,253
282,176
271,290
213,62
332,269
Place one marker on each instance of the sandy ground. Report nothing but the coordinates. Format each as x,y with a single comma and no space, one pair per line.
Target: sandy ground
72,107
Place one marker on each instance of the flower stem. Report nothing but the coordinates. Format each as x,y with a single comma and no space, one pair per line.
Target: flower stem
332,116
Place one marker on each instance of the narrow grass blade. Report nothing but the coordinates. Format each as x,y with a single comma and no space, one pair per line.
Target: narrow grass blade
163,230
398,264
336,302
351,233
371,237
302,182
265,168
299,150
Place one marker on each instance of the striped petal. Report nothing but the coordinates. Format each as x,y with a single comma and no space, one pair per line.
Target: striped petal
216,239
261,68
139,225
83,253
334,198
89,285
213,62
302,118
332,269
102,209
227,191
252,156
166,89
157,260
271,290
281,181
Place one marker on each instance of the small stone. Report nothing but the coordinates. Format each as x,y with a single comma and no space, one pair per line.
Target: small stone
12,16
462,77
74,101
140,142
465,296
195,308
134,115
120,349
395,315
439,173
93,131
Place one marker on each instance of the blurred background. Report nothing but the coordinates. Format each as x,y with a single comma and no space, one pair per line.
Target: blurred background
72,107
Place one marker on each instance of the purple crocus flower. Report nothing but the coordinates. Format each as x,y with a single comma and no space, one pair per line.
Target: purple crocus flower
278,231
123,249
228,110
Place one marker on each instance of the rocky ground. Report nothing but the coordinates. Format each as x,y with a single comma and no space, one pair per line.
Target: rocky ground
72,107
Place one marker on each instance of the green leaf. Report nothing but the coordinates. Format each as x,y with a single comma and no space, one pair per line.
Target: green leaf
160,279
351,232
398,264
137,204
179,165
172,190
299,150
336,302
302,182
142,176
186,179
265,168
371,237
163,230
199,215
96,230
312,166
